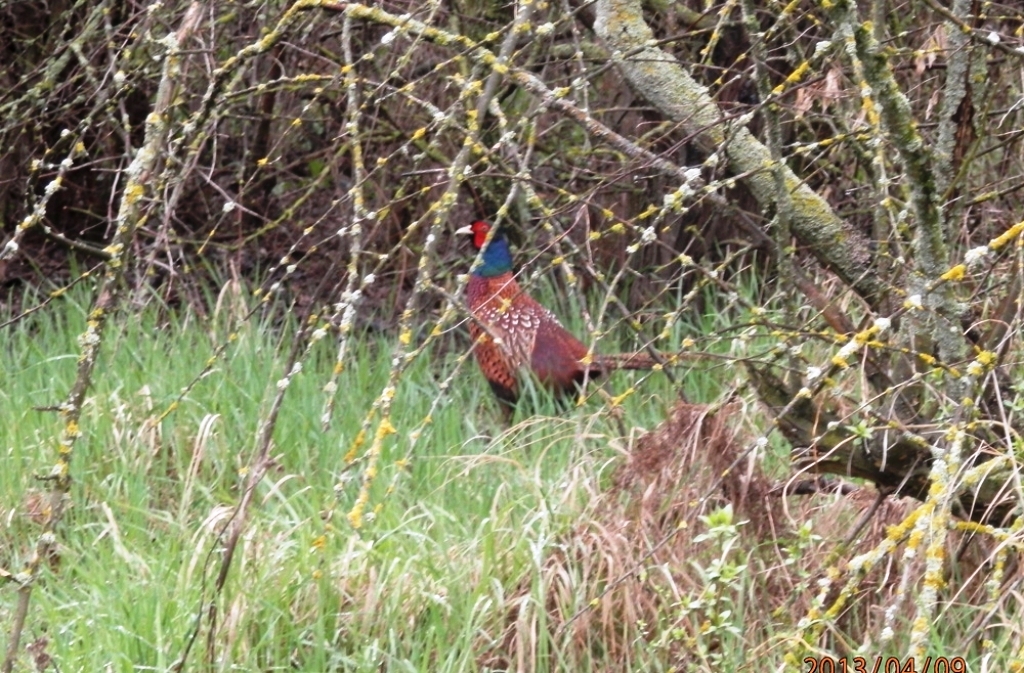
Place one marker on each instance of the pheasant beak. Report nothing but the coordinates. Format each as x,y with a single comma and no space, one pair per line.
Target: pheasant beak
465,231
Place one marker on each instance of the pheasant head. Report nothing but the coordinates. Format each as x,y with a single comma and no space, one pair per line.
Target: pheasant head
497,258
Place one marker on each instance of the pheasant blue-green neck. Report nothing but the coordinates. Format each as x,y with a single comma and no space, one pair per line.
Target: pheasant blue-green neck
497,259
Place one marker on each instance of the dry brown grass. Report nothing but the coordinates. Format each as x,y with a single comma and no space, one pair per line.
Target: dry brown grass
601,590
620,575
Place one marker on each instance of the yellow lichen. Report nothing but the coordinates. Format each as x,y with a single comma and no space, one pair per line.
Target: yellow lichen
385,428
955,274
356,444
618,399
1007,236
793,78
986,358
651,210
355,516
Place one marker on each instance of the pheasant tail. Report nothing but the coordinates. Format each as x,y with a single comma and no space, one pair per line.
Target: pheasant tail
613,361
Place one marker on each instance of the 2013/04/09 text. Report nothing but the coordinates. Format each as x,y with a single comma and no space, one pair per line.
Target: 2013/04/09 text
886,665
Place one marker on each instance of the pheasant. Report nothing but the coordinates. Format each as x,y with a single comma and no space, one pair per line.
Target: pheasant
512,332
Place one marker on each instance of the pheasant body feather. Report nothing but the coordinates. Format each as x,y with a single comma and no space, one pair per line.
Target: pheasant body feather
512,332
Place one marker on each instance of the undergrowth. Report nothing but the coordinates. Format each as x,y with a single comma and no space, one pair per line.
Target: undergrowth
586,539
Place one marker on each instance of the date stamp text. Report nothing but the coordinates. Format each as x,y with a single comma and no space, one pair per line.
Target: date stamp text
886,665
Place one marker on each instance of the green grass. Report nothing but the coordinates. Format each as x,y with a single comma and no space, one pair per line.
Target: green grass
419,587
467,552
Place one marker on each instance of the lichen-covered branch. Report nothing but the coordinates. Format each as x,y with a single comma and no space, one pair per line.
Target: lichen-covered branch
130,213
660,79
880,91
954,94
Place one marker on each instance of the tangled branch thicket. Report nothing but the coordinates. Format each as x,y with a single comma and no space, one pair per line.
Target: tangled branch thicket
840,184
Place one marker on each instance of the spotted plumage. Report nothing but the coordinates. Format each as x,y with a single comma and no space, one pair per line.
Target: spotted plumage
512,333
